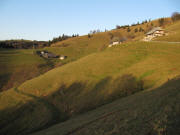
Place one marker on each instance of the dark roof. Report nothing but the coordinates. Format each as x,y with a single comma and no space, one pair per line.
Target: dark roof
49,55
63,56
154,30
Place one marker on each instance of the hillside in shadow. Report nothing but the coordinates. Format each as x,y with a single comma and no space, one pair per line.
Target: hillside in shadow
152,112
149,107
42,112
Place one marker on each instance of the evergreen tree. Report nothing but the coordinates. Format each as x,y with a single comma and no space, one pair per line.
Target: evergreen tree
135,30
128,30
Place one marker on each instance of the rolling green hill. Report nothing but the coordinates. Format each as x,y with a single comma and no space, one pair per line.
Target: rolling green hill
154,112
87,83
94,75
79,47
74,48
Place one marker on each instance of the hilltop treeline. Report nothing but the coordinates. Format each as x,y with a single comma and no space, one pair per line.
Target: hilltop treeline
23,44
28,44
61,38
134,24
174,17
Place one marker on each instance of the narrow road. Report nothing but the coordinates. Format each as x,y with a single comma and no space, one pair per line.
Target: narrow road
165,42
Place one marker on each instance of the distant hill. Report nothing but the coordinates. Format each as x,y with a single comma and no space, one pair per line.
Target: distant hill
23,44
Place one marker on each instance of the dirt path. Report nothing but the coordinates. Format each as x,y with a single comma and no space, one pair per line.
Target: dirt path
164,42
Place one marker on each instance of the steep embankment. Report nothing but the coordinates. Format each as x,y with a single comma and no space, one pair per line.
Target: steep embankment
87,83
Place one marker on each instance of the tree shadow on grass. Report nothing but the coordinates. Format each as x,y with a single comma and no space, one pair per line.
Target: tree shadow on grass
42,112
15,118
3,80
79,97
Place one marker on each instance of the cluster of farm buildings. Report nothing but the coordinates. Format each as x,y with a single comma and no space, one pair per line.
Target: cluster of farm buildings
155,32
47,54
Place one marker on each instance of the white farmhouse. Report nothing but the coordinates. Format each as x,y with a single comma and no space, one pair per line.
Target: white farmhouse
155,32
114,43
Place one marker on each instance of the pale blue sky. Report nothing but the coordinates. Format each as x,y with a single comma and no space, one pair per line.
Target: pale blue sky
45,19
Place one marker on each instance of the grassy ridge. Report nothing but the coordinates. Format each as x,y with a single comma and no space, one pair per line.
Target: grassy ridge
87,83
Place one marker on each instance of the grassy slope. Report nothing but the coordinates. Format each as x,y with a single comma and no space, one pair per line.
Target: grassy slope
87,83
154,112
84,84
75,48
78,47
18,66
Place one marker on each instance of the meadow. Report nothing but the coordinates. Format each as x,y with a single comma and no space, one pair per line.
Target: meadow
94,81
86,84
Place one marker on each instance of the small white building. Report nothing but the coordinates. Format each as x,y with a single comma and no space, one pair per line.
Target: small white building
62,57
114,43
43,52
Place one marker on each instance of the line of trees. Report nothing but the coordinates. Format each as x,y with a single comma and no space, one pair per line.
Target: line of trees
23,44
134,24
95,31
175,16
29,44
90,34
161,21
61,38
